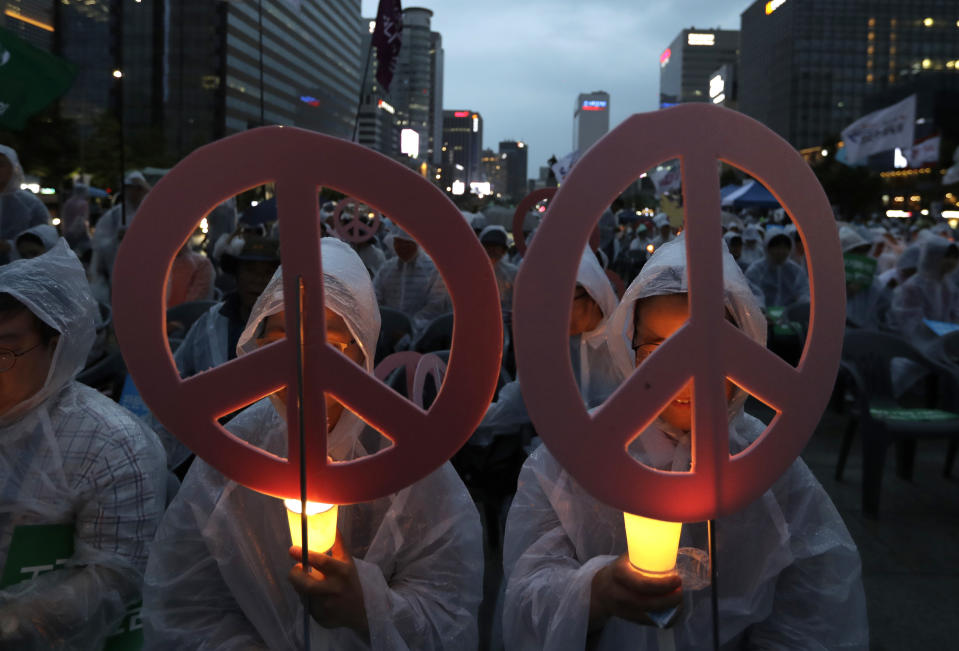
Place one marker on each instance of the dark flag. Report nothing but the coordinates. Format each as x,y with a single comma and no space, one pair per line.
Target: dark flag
30,79
387,40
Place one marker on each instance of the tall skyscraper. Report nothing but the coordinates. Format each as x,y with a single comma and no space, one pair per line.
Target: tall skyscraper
515,156
590,119
809,69
462,146
687,64
32,20
191,70
417,87
377,119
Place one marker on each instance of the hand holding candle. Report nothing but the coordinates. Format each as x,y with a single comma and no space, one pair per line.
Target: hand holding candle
619,590
652,544
331,591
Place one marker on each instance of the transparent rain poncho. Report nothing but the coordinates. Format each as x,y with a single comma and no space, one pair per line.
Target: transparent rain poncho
788,571
781,285
19,209
217,576
927,294
593,366
76,462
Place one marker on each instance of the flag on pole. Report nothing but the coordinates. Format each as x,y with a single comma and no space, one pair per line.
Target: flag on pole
883,130
562,167
30,79
387,40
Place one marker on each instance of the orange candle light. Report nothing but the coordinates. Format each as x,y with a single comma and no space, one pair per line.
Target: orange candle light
652,544
320,524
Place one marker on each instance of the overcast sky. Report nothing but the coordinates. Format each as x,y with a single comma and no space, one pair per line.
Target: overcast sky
521,63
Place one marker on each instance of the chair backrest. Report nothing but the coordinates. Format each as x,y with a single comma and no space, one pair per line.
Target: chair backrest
799,312
437,336
393,326
871,354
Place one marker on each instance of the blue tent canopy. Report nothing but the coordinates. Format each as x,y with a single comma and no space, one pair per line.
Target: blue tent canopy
726,189
751,194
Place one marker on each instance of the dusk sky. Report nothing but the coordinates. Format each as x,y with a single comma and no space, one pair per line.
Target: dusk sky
521,63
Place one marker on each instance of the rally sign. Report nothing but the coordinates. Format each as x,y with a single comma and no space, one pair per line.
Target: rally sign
883,130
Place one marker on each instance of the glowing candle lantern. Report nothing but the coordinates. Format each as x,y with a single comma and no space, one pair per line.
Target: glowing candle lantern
320,524
652,544
650,248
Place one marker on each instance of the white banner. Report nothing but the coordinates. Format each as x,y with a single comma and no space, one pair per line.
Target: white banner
924,152
562,167
667,179
883,130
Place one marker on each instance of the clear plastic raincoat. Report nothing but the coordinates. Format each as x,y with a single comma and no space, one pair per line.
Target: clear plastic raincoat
75,462
19,209
217,576
782,284
593,366
788,572
927,294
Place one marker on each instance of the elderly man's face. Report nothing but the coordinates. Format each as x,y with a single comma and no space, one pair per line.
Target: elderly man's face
338,335
20,337
6,171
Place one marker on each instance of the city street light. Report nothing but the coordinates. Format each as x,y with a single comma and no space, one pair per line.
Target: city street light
117,74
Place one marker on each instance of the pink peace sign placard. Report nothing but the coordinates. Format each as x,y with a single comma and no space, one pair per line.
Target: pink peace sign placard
298,162
355,230
706,349
519,216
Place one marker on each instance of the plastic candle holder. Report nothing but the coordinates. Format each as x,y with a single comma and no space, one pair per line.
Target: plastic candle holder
652,544
320,524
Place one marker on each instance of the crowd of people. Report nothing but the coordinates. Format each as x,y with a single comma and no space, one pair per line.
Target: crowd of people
210,558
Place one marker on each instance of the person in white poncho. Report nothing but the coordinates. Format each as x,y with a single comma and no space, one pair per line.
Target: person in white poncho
407,569
788,571
76,469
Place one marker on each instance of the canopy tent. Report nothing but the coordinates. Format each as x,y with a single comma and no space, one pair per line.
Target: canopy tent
726,189
751,194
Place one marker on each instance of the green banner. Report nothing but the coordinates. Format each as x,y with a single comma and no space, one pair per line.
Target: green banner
40,548
30,79
860,269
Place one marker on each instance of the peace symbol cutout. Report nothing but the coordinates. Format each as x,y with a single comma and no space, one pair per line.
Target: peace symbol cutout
355,230
298,162
519,216
707,349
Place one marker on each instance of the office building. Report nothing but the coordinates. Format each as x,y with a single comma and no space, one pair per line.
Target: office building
417,88
462,147
32,20
191,70
809,69
514,155
493,170
590,119
686,66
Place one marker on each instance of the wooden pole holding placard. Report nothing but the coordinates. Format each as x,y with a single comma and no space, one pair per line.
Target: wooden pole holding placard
304,535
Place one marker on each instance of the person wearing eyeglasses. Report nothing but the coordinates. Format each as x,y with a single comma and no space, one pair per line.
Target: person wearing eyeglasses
789,572
405,572
82,481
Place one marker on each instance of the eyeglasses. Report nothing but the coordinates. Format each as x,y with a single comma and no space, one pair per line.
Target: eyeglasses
642,351
8,358
277,335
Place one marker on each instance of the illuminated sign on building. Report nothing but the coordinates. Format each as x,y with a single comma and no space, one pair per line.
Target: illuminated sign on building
700,39
410,143
594,105
475,123
716,86
383,104
773,5
664,58
461,114
308,99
